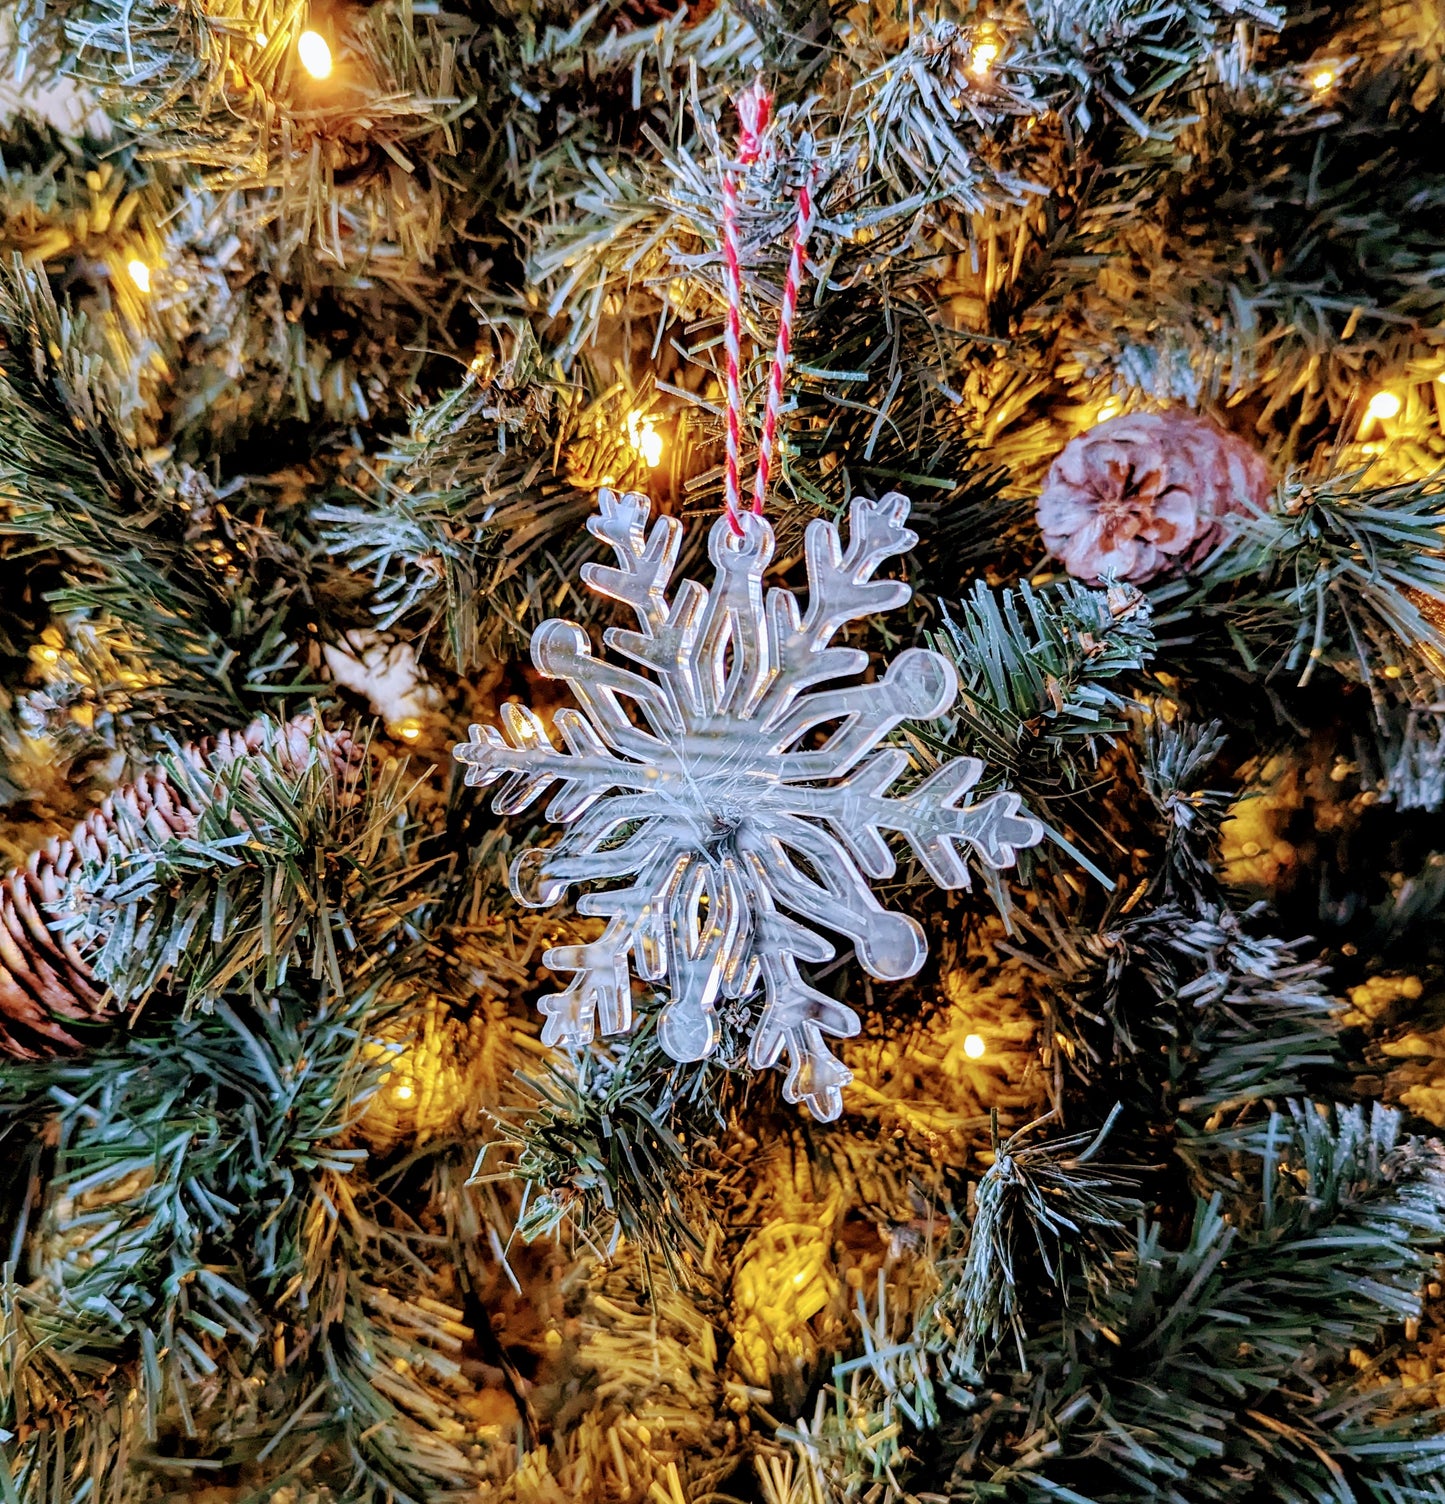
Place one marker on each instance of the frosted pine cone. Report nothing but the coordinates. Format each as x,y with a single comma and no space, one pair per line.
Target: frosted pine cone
46,982
1146,493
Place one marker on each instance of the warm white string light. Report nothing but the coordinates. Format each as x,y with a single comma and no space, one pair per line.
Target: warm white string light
985,54
314,53
642,434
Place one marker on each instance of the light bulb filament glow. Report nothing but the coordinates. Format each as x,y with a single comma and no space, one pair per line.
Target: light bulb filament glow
140,273
315,55
645,439
1322,80
1384,405
973,1046
984,56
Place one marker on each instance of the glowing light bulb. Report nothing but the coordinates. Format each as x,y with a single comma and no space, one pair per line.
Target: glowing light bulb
645,439
140,273
403,1092
1322,80
973,1046
984,56
408,730
1111,409
1384,405
315,55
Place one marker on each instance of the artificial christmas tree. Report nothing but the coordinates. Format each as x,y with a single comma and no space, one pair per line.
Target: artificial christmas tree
324,334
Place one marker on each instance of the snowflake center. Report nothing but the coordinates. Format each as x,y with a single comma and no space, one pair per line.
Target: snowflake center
725,826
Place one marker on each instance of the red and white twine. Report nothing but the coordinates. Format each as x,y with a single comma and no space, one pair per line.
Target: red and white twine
802,228
754,107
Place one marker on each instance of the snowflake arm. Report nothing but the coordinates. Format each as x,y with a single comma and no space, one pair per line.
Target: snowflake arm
600,993
600,990
666,637
560,650
687,919
935,822
591,851
645,561
796,1017
707,915
826,889
734,658
933,819
525,756
841,588
918,684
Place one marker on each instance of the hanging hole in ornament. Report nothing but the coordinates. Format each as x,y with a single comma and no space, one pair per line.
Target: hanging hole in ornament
735,539
750,539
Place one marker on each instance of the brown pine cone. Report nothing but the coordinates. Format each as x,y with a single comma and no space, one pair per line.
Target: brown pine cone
1146,493
45,981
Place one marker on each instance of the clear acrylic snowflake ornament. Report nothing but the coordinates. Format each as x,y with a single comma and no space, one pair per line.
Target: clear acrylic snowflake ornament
735,793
